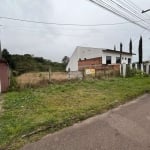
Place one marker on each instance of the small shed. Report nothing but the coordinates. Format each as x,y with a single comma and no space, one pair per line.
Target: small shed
4,76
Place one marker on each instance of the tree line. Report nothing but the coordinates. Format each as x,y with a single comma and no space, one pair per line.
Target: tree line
20,64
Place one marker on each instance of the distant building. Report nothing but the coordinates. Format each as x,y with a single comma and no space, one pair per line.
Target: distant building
4,74
97,58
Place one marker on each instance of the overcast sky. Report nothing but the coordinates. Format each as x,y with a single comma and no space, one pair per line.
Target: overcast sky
54,42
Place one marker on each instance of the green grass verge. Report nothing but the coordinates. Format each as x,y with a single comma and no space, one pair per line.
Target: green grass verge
58,106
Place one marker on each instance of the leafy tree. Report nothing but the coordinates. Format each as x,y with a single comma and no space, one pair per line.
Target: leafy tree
65,60
5,54
8,58
140,50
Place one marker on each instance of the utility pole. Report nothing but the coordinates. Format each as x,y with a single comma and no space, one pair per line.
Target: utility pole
144,11
50,74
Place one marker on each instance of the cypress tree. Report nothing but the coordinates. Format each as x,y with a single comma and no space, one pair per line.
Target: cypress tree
130,46
121,52
140,50
121,46
114,47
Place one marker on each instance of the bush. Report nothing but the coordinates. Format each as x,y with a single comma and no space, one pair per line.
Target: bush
135,73
13,83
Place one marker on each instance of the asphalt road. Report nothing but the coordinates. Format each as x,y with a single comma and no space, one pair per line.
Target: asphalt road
124,128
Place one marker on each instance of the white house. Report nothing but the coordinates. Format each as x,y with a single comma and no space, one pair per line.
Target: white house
108,56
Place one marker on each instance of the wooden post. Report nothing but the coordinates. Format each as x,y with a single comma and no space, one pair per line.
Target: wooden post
83,73
50,73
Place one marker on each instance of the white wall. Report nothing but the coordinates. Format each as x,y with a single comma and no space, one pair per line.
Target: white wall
124,59
113,58
81,53
88,53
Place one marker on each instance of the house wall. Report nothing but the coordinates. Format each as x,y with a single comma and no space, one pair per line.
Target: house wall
124,58
89,63
113,58
82,53
95,61
4,77
89,53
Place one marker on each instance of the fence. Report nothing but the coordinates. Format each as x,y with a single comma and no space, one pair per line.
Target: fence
106,71
95,71
125,68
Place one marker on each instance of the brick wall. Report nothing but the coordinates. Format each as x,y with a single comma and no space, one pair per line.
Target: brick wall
93,63
96,63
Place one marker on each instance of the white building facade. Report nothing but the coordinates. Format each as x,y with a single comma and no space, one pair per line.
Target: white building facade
108,56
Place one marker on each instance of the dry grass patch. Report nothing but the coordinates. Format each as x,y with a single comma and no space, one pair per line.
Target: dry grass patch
36,78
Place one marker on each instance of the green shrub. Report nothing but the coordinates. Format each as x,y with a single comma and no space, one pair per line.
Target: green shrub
13,83
135,73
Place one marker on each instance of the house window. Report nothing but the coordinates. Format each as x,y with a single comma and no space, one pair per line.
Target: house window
108,59
118,60
129,60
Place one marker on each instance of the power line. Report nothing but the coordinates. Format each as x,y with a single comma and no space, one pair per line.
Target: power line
131,12
130,7
136,7
118,13
61,24
128,11
133,5
113,10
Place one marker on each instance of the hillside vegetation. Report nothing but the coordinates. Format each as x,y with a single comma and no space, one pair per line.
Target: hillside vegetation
28,63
